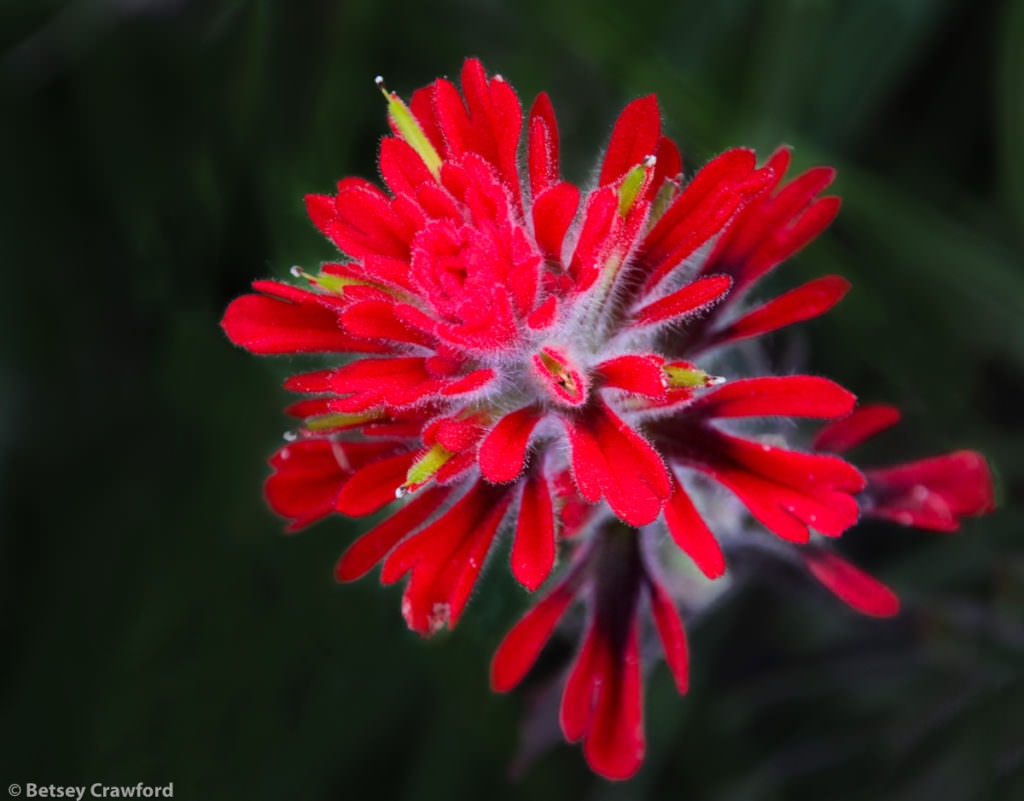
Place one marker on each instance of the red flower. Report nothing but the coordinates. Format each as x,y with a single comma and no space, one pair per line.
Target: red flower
602,700
520,357
932,494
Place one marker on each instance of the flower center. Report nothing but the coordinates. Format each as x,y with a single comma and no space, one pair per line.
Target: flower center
564,382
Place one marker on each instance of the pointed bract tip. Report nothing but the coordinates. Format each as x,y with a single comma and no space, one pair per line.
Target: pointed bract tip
329,283
685,375
405,124
633,183
424,469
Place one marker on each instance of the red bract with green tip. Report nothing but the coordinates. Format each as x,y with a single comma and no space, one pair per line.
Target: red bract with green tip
520,356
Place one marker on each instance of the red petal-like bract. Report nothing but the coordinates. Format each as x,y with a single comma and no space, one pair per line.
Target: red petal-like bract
932,493
522,359
503,451
635,137
286,320
614,743
373,487
851,584
522,645
672,635
553,213
790,396
774,226
803,303
370,548
602,704
612,461
533,549
638,373
691,299
308,476
444,559
785,490
692,534
862,424
542,144
602,701
725,185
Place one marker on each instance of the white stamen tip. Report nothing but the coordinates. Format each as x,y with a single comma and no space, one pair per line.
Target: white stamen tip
296,271
379,81
401,492
290,436
650,161
715,380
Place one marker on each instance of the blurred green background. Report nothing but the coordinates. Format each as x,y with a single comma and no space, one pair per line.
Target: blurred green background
156,624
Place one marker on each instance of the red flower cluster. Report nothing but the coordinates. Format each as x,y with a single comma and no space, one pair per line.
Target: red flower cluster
524,361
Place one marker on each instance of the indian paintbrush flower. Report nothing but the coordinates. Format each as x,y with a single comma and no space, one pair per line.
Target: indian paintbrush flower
527,358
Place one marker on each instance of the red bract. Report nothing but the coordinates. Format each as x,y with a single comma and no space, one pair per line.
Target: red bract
932,494
520,361
602,701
